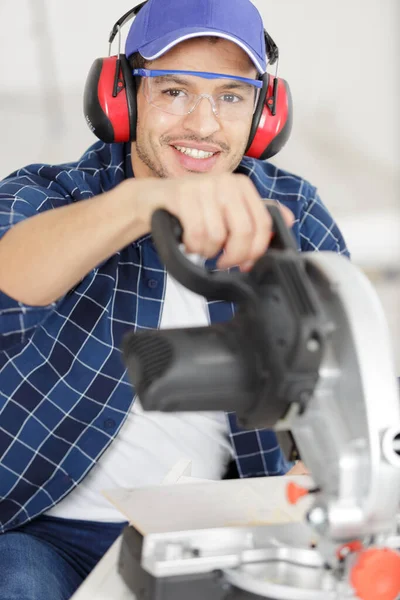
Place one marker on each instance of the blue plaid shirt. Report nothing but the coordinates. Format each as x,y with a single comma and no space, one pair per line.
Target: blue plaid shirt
64,393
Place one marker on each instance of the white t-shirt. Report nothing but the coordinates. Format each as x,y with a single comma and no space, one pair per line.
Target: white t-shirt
150,443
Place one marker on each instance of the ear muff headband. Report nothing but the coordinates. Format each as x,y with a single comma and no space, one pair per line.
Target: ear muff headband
110,92
273,117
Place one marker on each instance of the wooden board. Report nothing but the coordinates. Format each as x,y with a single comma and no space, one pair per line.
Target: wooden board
206,504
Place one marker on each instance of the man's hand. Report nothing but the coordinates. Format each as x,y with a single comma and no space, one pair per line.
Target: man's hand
220,212
299,469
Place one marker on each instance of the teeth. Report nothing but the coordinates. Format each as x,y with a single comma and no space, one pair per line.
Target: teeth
194,153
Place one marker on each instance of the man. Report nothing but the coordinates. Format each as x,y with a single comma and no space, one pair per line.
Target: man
78,269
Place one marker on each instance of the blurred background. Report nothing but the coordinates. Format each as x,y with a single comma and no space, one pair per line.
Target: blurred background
340,58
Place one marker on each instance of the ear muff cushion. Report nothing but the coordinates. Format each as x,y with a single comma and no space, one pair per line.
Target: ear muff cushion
112,119
95,116
286,122
131,93
259,110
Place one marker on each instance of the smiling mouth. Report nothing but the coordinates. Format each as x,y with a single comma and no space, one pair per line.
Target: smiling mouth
194,152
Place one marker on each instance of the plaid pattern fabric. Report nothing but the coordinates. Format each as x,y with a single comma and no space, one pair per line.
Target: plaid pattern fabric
64,393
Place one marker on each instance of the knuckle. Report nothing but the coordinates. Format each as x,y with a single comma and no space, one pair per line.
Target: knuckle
192,245
248,184
241,177
227,182
196,233
246,230
224,177
259,241
216,237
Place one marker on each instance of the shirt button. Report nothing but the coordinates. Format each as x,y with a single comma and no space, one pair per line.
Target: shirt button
109,424
152,283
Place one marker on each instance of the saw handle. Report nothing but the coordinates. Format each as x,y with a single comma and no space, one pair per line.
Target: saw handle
167,229
217,285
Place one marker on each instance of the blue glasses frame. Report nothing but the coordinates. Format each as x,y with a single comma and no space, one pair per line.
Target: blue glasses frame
160,73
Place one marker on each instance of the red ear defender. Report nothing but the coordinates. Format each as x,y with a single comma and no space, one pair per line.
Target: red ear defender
110,100
272,122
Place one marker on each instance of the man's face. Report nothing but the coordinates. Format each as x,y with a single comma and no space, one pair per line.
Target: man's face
155,153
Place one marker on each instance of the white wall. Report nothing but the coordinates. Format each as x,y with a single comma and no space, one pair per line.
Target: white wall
340,58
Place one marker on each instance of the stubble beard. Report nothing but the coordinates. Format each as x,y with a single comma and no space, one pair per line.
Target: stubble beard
148,158
144,155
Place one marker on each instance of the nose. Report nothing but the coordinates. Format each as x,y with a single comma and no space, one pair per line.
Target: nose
202,119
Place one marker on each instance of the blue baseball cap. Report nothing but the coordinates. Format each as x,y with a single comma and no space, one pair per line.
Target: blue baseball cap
162,24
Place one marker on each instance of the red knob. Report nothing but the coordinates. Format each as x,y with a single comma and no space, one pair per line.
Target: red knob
294,492
376,574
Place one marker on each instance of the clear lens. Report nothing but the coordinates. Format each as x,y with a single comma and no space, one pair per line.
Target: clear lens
177,95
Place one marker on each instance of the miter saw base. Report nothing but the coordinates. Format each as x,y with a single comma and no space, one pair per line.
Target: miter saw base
279,562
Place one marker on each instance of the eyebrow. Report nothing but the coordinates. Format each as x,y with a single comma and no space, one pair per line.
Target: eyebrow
171,79
236,85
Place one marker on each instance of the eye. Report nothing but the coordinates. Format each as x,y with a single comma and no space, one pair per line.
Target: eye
174,93
231,98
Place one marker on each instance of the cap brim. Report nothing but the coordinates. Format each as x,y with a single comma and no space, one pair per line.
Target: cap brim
160,46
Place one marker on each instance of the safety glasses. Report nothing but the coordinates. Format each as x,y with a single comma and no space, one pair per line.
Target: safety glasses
176,92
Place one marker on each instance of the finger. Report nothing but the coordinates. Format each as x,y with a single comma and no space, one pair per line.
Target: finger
240,229
215,223
191,215
262,224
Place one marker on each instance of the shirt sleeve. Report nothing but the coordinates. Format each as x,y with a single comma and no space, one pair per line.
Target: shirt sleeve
318,230
18,321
